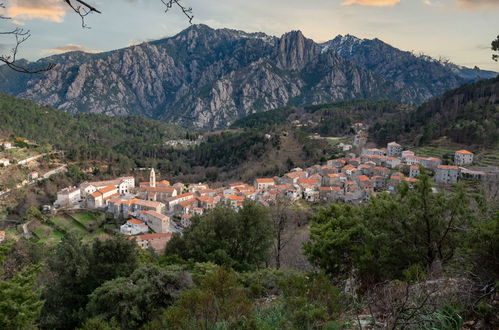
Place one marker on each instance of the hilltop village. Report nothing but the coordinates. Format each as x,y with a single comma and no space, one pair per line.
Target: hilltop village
156,209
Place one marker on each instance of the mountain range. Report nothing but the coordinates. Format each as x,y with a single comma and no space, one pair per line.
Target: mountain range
208,78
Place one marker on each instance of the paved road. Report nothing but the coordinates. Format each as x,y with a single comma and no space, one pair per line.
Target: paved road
26,232
44,176
30,159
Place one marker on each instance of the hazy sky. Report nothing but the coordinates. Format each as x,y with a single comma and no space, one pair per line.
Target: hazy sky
460,30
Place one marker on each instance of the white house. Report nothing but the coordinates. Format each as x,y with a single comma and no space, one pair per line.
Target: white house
414,171
134,227
394,149
463,157
6,145
68,196
264,183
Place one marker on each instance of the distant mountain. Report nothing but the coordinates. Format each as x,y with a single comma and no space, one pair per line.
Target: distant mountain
209,78
421,77
467,115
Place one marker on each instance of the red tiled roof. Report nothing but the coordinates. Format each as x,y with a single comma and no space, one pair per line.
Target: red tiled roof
136,222
302,180
464,152
107,189
264,180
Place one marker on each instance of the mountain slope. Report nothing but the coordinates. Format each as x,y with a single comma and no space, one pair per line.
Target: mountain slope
209,78
467,115
420,77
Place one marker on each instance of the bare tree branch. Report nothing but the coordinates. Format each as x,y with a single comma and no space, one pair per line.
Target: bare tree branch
20,36
186,10
82,9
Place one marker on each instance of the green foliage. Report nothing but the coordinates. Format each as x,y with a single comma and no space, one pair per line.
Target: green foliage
20,302
394,236
467,115
237,239
132,300
33,213
447,318
218,302
312,301
495,48
77,270
483,248
264,119
98,324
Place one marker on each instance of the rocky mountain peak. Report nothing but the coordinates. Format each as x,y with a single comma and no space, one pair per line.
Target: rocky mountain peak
208,77
294,51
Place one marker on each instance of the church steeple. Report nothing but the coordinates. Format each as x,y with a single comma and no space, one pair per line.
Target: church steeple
152,178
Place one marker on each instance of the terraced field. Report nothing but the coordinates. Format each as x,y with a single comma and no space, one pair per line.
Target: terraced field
46,234
68,224
87,219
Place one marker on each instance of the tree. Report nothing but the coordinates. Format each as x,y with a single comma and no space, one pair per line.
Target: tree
219,299
75,270
237,239
82,9
392,235
132,300
495,48
20,302
284,218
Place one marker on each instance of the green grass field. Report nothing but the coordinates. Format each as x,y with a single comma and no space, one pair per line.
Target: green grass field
80,224
87,219
68,224
46,234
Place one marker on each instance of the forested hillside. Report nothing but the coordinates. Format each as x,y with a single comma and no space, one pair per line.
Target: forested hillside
332,119
467,115
122,143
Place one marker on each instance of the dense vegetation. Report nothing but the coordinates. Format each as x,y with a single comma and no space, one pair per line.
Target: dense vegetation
409,259
467,115
123,143
239,240
333,119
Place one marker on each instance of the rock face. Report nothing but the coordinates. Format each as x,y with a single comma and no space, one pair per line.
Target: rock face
209,78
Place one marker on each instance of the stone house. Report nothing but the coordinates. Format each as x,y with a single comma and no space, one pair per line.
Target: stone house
463,157
394,149
447,174
158,222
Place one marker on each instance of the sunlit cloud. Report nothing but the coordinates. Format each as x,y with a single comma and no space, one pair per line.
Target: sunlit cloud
433,3
69,48
472,4
50,10
376,3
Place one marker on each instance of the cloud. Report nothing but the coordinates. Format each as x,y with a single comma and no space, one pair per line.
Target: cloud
433,3
69,48
376,3
50,10
472,4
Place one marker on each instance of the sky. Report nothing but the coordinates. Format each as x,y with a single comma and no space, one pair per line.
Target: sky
459,30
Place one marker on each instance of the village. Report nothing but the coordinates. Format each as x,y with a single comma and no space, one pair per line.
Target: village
152,211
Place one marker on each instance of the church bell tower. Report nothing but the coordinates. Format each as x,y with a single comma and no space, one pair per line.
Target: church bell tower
152,178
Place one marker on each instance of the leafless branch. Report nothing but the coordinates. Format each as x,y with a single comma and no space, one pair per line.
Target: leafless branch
186,10
20,35
82,9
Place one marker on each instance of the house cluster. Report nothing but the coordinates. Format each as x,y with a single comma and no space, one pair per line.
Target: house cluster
4,145
153,210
